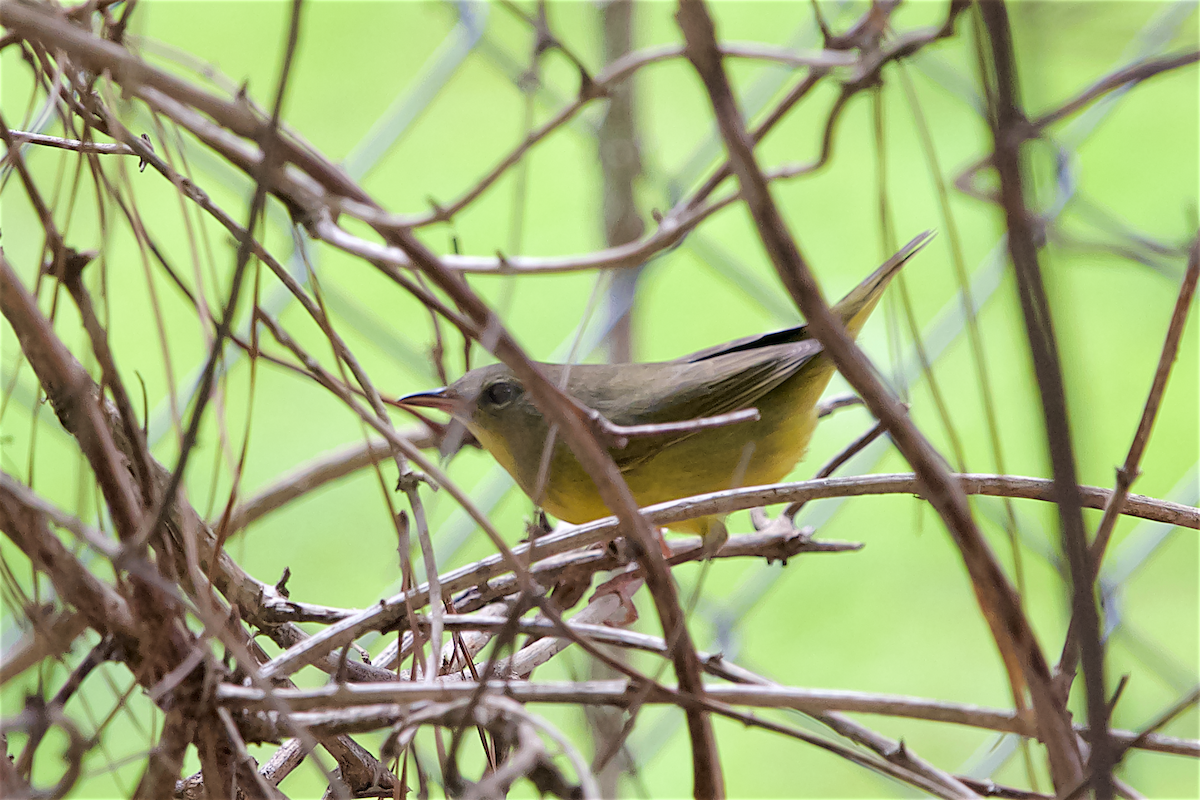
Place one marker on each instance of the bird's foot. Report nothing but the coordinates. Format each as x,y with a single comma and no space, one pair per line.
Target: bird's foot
712,540
537,526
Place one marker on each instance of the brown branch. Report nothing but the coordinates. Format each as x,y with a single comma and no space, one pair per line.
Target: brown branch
487,570
1001,607
621,693
71,393
136,452
320,471
103,607
1130,471
1009,130
1130,75
46,639
216,759
78,146
670,231
162,770
601,86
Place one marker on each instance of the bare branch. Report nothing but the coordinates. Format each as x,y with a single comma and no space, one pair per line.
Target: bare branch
999,602
1009,131
1129,472
72,144
620,692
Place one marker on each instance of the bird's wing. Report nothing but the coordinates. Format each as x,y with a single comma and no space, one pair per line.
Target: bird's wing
747,343
712,386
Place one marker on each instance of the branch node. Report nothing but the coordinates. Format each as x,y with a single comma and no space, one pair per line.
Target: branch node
409,481
67,265
1126,475
439,214
142,162
281,585
588,88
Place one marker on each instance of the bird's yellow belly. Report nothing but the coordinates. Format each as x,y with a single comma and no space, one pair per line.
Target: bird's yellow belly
729,457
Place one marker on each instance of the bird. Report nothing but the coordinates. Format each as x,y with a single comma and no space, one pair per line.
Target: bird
781,375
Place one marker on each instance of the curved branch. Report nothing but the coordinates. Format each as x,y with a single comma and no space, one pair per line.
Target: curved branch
391,612
620,693
1130,75
616,72
998,602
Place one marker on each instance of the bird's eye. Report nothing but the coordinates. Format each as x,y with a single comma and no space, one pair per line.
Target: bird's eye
499,394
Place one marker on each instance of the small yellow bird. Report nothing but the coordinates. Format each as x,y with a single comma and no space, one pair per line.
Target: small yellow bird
780,374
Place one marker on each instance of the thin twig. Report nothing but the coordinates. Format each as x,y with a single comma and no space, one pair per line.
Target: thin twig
1133,74
1130,470
78,146
1009,130
319,472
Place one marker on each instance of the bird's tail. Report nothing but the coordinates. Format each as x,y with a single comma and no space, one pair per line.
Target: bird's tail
855,307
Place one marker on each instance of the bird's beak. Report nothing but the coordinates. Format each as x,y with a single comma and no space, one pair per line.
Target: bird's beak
440,399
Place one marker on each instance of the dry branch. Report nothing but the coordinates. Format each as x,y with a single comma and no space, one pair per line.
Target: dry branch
486,572
395,696
1009,132
999,602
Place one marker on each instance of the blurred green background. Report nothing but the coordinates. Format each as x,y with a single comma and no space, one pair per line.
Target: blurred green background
421,99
